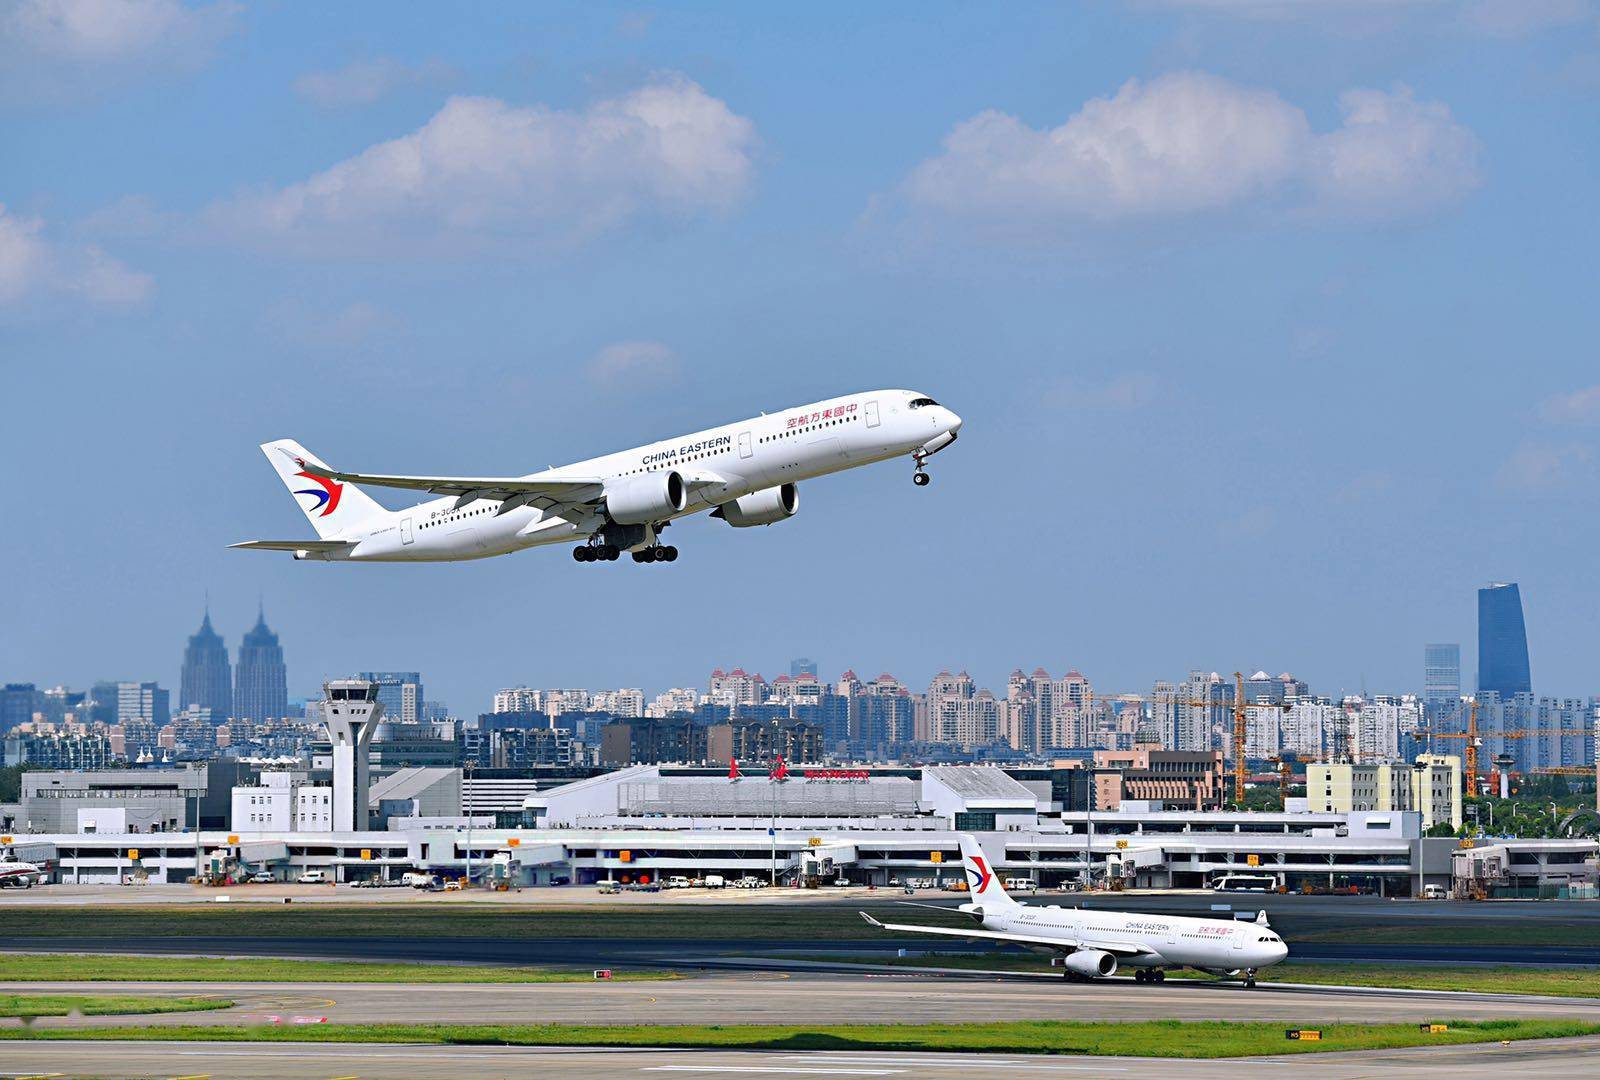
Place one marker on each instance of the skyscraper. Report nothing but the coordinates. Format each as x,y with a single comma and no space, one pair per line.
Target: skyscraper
1502,641
207,676
261,683
1441,673
400,692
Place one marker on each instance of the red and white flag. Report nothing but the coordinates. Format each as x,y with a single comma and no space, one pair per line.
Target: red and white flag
733,769
780,770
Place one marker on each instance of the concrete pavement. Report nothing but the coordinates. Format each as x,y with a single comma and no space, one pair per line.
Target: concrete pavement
1562,1059
771,998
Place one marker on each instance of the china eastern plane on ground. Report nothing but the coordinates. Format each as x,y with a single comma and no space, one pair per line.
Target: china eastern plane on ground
745,473
1097,943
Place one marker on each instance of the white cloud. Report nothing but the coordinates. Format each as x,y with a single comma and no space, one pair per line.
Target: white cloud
34,268
1578,407
1540,466
483,170
361,82
1189,143
1393,156
69,48
625,361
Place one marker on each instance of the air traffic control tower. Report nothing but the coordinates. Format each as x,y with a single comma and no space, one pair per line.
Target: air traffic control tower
351,710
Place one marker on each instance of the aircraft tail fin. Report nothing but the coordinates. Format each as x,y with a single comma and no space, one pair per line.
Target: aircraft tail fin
983,884
332,506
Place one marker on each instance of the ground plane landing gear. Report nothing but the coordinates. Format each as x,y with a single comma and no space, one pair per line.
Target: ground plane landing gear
1149,975
656,553
596,553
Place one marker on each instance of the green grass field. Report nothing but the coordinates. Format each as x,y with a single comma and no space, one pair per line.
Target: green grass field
1559,982
1160,1038
103,1004
81,968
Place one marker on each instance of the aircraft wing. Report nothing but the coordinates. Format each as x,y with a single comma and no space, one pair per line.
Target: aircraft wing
1118,948
564,488
554,493
295,545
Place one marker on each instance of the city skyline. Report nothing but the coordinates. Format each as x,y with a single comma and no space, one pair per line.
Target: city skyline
1439,678
1287,405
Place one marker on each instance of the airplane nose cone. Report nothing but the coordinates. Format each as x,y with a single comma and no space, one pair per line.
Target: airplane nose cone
953,420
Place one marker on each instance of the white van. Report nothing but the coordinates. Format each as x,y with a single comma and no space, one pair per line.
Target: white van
677,882
315,877
715,881
1021,884
419,880
1434,892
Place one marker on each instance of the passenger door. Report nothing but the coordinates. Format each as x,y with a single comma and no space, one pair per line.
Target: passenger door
405,531
872,414
744,444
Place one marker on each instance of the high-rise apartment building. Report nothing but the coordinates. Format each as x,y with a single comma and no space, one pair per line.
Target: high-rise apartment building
207,679
260,681
17,702
1502,641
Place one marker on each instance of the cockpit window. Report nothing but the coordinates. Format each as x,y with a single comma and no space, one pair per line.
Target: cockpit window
917,403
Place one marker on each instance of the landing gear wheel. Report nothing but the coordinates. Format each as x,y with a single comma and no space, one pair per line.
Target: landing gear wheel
610,552
920,479
669,553
1250,980
1160,974
583,554
641,556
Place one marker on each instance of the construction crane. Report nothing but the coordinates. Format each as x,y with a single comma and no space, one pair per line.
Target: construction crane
1474,742
1241,713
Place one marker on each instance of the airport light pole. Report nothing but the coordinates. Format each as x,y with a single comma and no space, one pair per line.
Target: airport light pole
467,773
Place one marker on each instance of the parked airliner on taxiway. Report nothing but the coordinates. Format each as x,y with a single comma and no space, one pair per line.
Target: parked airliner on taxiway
1096,943
745,473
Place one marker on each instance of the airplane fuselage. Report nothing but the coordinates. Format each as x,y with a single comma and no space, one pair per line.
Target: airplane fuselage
1161,941
722,464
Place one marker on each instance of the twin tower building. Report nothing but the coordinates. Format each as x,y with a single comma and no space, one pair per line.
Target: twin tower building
257,688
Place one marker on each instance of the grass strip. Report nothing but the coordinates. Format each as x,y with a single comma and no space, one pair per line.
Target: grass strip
103,1004
85,968
721,922
1583,982
1157,1038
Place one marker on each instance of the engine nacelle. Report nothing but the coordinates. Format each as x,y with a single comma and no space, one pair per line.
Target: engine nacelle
1091,963
640,500
762,507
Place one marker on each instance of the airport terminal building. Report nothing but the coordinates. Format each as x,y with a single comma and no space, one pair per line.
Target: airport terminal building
877,827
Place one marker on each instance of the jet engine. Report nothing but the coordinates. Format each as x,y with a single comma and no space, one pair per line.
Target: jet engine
762,507
1091,963
640,500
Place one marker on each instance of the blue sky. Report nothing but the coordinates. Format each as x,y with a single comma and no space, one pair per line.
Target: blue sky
1272,326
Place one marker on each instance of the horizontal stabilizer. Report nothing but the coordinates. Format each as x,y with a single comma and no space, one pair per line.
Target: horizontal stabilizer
295,545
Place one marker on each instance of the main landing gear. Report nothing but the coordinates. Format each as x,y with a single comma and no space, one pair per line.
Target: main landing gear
611,553
1149,975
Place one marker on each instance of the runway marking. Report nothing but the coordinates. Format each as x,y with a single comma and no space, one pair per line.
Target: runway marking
988,1063
770,1069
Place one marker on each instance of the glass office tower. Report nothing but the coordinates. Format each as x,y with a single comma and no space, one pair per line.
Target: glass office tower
1502,641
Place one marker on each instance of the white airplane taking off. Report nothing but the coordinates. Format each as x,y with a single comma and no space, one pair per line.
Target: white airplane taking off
1096,943
744,473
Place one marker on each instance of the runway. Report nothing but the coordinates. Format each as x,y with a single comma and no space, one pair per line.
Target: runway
772,998
1551,1060
676,952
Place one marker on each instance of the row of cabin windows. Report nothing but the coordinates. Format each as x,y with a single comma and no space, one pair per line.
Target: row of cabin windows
807,427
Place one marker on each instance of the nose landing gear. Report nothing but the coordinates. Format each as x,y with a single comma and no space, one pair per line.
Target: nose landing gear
1250,978
920,478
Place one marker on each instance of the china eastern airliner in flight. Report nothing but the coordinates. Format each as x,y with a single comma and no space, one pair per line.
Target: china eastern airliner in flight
745,473
1097,943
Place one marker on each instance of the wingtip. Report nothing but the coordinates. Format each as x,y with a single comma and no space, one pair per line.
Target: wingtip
870,920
